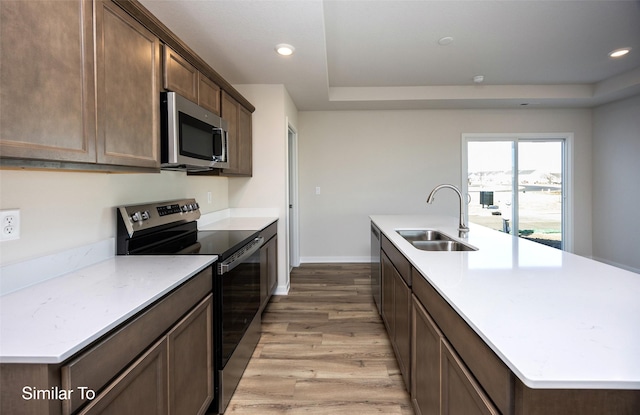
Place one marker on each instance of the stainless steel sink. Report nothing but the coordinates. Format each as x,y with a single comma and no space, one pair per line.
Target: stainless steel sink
433,240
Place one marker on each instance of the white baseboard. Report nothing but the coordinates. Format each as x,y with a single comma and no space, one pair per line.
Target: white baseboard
334,259
282,289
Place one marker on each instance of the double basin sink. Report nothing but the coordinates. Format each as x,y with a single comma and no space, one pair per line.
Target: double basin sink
433,240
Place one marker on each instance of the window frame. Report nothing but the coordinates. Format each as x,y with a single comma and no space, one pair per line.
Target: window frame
567,173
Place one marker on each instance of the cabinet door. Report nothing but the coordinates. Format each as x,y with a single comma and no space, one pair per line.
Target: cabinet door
460,392
191,361
179,75
273,266
268,270
208,94
240,137
245,142
230,110
47,101
140,390
425,361
402,305
388,311
128,89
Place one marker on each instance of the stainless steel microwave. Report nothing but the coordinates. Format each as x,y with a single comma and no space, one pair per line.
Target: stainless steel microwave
193,138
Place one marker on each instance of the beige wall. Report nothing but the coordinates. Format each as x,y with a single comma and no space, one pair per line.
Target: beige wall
386,162
60,210
268,186
616,192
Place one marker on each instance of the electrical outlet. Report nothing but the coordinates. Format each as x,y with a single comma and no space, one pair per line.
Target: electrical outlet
10,224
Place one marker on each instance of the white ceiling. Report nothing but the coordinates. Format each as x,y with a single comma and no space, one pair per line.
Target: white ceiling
373,54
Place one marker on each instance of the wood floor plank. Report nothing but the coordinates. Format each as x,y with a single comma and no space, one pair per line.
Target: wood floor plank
324,350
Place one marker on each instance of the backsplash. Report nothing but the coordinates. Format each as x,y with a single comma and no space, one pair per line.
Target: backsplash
62,210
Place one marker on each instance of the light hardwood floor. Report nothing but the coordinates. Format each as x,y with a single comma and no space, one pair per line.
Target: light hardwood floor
324,350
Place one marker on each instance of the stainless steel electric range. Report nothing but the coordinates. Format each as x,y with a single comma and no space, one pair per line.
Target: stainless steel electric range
170,228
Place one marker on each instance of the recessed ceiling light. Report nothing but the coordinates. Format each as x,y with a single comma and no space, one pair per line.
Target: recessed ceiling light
284,49
619,52
445,41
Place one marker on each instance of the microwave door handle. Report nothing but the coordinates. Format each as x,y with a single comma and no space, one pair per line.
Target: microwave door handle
225,144
224,136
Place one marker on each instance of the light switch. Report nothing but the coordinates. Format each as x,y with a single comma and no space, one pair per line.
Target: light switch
317,190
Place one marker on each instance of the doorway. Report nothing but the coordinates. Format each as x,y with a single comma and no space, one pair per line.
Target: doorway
519,185
292,198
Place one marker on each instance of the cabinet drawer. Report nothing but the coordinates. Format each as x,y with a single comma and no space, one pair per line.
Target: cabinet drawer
494,376
399,261
95,367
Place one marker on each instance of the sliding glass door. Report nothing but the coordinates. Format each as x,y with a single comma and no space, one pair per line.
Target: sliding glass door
517,185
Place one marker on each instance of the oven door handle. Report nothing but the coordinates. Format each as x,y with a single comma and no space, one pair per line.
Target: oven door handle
242,254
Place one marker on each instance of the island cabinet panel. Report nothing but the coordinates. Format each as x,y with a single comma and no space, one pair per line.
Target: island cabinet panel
399,261
460,393
396,314
492,374
387,284
575,401
425,361
46,82
128,89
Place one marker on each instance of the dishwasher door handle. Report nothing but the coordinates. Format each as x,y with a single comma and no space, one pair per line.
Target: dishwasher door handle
242,254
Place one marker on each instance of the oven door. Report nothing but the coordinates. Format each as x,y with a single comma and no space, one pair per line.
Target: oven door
238,320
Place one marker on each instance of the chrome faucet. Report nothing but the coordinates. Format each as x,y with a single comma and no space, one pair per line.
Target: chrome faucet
461,227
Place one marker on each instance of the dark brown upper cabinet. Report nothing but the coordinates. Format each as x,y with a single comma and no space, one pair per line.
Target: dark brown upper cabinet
182,77
60,107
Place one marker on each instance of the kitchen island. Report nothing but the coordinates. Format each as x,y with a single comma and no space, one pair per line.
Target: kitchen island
559,322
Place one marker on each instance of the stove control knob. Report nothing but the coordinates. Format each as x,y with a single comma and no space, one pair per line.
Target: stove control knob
145,215
184,208
136,217
196,206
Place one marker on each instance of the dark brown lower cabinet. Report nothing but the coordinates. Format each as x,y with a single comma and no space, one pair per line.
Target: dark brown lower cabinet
268,264
141,389
460,392
440,381
159,362
175,376
453,371
396,313
425,362
191,361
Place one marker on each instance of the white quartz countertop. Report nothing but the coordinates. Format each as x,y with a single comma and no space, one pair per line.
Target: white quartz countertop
238,223
556,319
50,321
